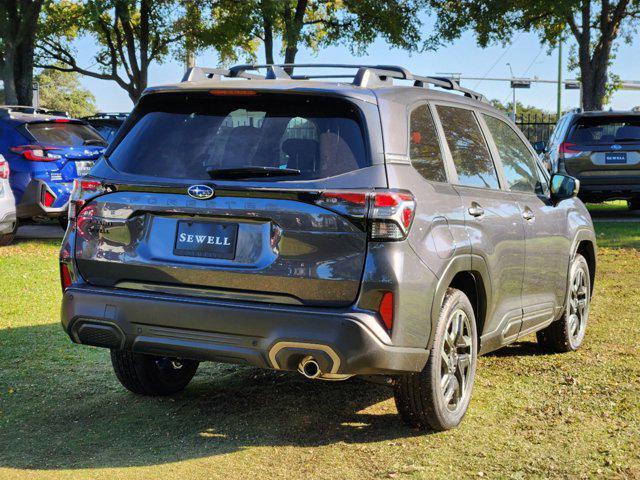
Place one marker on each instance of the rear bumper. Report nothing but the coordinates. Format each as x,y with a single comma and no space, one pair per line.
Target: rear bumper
31,204
343,342
605,191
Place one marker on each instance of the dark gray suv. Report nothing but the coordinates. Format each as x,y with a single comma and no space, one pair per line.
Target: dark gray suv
338,229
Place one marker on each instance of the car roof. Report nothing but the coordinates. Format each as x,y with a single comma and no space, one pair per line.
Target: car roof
19,118
370,83
609,113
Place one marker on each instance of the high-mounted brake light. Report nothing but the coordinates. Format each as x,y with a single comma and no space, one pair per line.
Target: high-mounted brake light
4,169
233,93
62,120
36,153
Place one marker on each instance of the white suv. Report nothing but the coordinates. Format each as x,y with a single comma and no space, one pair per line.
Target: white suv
8,222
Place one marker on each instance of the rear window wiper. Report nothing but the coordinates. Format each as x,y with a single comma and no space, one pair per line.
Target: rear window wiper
627,140
94,142
249,172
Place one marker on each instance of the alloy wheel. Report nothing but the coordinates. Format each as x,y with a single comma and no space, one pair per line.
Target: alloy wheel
456,360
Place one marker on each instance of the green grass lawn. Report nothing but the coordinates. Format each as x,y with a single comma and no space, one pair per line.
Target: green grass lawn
64,415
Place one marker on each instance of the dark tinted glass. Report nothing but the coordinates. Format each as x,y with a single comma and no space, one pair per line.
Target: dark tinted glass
182,136
468,148
425,153
65,134
517,161
605,129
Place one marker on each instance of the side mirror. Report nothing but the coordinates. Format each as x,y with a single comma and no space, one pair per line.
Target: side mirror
563,187
540,147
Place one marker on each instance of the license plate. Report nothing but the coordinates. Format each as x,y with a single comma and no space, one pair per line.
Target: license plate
206,239
83,167
615,158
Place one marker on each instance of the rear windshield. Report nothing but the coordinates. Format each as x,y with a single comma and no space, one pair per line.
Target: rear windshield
606,129
184,135
65,134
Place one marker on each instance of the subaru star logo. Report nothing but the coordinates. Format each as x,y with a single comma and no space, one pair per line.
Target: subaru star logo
616,147
201,192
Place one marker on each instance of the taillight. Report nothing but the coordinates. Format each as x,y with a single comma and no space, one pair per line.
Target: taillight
569,150
392,215
4,169
386,310
65,276
36,153
81,190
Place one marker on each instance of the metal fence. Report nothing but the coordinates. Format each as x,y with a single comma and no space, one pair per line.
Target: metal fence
536,127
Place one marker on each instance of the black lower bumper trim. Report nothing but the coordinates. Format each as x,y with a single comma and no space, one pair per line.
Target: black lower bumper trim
267,336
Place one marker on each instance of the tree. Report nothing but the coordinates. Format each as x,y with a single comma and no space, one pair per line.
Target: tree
18,25
62,91
309,23
129,34
596,26
528,110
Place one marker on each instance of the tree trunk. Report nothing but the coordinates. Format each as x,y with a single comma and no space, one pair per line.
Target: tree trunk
23,74
268,40
10,95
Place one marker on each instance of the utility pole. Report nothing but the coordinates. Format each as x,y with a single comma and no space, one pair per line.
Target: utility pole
559,109
513,102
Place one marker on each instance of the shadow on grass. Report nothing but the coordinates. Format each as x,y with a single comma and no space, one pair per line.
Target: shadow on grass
68,411
519,349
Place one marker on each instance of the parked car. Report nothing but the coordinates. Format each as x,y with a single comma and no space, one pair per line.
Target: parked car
337,229
45,152
107,124
602,150
8,221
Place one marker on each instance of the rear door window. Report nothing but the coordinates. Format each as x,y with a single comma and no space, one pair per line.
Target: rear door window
518,163
64,134
184,136
468,148
424,151
605,129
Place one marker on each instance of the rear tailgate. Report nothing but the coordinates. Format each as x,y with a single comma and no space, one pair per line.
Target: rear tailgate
280,250
171,227
604,150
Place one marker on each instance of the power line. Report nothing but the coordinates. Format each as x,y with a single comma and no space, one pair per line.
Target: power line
506,50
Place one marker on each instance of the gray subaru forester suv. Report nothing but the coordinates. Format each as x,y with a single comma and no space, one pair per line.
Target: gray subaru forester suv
377,227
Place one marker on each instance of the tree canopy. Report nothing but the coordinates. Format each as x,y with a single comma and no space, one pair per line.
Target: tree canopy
129,35
239,28
595,25
62,91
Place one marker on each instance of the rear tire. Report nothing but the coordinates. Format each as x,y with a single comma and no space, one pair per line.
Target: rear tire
151,375
634,204
64,223
437,398
7,238
567,334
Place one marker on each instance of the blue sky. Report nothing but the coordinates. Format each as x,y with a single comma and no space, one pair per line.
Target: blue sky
526,56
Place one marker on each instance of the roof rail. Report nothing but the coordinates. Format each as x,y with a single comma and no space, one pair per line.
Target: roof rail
8,109
365,76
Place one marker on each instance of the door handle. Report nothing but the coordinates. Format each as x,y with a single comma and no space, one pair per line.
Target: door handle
476,210
528,214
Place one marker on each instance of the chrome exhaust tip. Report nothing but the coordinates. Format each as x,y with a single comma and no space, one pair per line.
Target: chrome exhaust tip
309,368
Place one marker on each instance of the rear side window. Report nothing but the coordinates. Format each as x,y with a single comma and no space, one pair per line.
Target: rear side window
517,161
468,148
424,152
64,134
183,136
605,129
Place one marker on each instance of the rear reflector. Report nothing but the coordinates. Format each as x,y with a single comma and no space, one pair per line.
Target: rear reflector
386,310
48,199
65,276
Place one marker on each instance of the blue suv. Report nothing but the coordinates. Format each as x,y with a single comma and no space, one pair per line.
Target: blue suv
46,152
